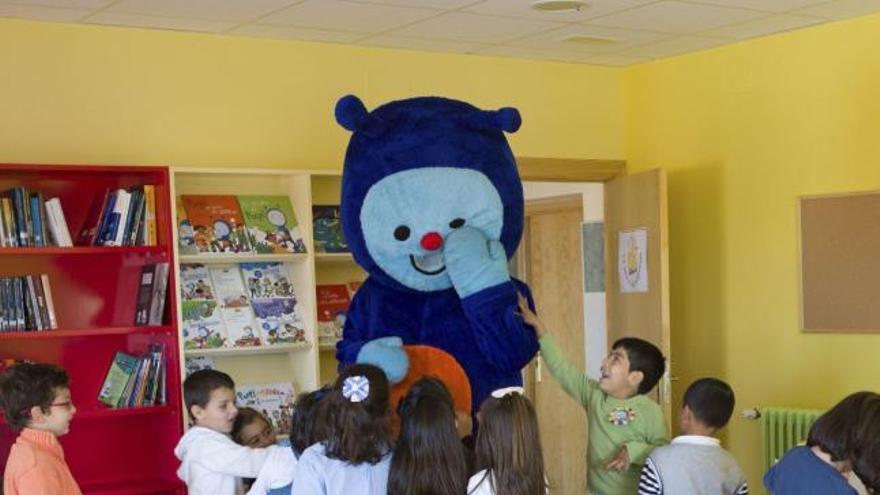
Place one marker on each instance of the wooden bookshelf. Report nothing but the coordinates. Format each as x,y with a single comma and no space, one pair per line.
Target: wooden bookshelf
109,451
293,363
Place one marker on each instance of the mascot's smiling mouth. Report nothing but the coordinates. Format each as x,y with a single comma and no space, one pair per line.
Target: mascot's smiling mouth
429,264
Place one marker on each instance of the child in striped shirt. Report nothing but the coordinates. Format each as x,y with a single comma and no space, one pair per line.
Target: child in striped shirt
694,463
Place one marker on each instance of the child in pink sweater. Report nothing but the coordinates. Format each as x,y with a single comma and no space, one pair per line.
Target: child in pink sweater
36,401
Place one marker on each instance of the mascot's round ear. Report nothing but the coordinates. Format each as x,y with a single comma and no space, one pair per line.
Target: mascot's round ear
353,115
506,119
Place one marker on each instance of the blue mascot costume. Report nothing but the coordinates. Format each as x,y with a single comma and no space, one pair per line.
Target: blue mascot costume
432,208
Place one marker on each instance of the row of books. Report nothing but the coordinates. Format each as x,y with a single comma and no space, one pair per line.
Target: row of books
239,305
333,301
135,381
125,217
26,304
272,400
26,220
152,289
237,224
327,229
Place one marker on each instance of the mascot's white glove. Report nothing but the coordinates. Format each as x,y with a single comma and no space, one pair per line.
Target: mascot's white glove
474,261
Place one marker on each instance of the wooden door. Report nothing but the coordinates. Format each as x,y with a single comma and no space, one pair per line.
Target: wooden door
634,203
550,260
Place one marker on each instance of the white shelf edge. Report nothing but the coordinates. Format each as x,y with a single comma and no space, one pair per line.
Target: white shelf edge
220,258
248,351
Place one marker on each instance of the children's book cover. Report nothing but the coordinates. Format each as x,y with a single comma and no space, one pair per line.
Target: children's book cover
279,321
217,223
195,283
241,327
185,236
327,224
228,286
202,325
333,301
267,280
271,224
272,400
197,363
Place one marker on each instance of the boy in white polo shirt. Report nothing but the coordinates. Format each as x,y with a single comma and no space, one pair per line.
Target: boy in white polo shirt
694,463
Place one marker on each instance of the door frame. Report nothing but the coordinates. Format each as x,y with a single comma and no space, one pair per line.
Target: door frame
537,169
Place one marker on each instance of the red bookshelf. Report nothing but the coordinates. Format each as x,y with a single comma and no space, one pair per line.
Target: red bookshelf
110,451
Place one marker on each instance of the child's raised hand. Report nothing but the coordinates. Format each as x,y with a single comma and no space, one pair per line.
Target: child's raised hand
529,316
620,462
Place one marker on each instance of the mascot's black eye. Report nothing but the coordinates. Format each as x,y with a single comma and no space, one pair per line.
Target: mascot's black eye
401,233
458,222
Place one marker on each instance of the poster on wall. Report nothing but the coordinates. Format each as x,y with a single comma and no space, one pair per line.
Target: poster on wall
632,260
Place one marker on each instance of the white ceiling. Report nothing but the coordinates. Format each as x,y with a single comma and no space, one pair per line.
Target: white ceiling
621,32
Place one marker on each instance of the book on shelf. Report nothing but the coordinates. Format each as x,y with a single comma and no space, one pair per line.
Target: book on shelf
121,217
196,363
333,301
271,224
220,309
135,381
274,301
26,304
26,220
327,229
217,223
152,289
272,400
202,324
186,241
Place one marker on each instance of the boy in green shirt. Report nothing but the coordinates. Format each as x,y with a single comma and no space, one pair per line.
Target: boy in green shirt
624,424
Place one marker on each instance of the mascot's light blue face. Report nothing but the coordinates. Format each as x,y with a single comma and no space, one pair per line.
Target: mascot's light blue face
406,217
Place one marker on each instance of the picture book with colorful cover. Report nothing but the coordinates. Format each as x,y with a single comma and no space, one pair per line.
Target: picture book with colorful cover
228,286
271,224
332,301
279,320
327,226
122,371
196,363
217,223
272,400
241,329
185,235
202,325
267,280
195,283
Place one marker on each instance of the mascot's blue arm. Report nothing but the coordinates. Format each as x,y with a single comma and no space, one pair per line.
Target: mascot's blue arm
502,336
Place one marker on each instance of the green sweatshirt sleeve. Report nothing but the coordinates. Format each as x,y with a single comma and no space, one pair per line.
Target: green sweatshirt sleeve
655,436
574,381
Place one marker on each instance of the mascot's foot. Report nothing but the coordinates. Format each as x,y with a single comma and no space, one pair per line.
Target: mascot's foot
387,353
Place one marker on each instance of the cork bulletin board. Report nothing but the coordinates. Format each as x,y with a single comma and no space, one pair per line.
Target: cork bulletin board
840,263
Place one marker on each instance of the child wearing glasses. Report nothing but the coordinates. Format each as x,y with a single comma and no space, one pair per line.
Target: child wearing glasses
36,401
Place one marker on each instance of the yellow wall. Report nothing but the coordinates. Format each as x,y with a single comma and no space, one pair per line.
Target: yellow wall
87,94
743,131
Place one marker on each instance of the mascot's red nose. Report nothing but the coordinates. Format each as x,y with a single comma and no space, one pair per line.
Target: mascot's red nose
432,241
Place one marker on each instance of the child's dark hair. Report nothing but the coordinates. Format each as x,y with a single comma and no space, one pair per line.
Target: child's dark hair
429,458
26,385
711,400
197,387
846,433
306,429
246,416
509,446
358,428
645,357
866,448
